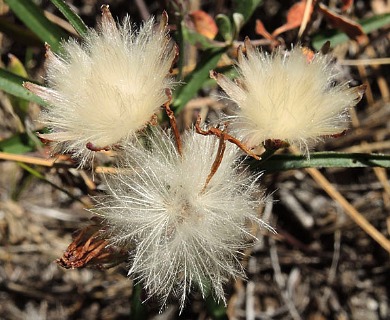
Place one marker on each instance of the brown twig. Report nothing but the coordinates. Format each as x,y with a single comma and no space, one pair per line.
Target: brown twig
356,216
58,161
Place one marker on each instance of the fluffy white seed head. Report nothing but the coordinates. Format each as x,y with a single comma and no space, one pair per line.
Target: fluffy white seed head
288,96
105,89
183,234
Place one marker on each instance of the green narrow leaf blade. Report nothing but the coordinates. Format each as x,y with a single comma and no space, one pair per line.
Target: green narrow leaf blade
33,17
195,80
13,84
322,160
76,22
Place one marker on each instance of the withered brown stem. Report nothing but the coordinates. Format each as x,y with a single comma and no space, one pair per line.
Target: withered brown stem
225,136
217,161
172,120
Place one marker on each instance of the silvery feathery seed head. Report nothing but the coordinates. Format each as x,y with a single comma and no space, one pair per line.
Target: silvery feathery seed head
184,234
105,89
287,95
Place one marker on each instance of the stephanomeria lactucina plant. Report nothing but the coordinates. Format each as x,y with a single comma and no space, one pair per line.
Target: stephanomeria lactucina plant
287,95
182,209
105,89
186,213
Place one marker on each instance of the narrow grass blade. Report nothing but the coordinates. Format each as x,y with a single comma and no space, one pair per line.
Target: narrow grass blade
12,84
322,160
76,22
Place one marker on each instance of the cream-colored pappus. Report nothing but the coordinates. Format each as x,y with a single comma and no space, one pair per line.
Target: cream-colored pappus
106,88
287,95
180,232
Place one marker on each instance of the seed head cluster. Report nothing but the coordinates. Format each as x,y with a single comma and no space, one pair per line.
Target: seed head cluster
181,205
289,96
185,234
103,90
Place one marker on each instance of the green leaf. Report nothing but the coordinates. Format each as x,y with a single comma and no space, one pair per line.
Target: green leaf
374,23
33,17
337,37
76,22
18,144
195,80
322,160
246,7
12,84
225,27
19,105
196,38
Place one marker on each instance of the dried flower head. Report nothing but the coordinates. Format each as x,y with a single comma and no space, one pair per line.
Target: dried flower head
186,232
290,96
105,89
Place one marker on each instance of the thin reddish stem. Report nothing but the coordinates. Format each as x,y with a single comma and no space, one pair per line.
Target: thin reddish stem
217,161
219,133
172,120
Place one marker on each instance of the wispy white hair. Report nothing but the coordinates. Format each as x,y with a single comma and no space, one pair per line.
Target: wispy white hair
287,95
183,234
106,88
